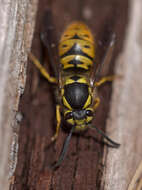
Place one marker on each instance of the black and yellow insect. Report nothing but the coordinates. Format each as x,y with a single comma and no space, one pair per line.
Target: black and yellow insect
77,88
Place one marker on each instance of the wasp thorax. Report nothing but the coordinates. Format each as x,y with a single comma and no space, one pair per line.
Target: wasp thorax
76,93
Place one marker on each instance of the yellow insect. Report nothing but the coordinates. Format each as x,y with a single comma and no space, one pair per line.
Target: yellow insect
76,87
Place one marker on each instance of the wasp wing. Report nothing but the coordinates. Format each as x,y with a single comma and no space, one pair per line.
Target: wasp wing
49,40
107,57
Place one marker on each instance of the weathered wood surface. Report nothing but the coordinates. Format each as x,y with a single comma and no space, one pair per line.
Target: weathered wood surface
82,169
125,122
14,36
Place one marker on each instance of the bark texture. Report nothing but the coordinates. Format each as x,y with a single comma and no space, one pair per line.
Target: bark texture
15,40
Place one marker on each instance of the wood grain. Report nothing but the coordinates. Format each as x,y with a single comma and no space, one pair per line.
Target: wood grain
15,41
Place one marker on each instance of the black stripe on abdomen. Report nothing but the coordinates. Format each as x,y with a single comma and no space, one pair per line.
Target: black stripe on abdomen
76,50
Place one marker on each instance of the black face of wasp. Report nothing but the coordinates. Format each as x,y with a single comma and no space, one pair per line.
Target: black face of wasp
79,118
77,100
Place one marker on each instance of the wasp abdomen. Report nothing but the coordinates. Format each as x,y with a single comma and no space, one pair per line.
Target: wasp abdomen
76,48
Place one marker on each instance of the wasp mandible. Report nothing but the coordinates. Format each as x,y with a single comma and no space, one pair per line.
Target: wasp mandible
73,64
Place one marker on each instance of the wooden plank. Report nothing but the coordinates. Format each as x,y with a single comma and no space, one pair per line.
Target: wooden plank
82,168
15,40
125,119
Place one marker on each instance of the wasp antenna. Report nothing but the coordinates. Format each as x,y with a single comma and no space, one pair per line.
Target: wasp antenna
114,144
64,150
108,55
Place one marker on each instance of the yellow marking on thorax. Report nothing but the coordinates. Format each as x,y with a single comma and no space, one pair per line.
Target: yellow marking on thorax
88,102
82,80
69,81
66,103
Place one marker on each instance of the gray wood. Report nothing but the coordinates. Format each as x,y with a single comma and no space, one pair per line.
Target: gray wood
16,30
125,122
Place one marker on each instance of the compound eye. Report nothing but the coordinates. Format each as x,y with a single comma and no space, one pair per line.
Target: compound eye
69,115
89,113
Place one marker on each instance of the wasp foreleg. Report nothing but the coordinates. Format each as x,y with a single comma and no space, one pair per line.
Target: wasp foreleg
42,69
105,79
58,118
97,102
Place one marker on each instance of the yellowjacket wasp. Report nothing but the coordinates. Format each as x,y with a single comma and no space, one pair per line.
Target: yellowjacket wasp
74,67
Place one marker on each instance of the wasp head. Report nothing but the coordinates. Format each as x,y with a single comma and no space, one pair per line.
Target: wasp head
79,118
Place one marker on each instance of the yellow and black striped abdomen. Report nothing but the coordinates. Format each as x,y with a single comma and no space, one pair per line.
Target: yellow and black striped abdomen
76,48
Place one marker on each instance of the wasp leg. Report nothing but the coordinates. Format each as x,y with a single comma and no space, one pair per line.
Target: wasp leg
58,118
105,79
42,69
97,102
